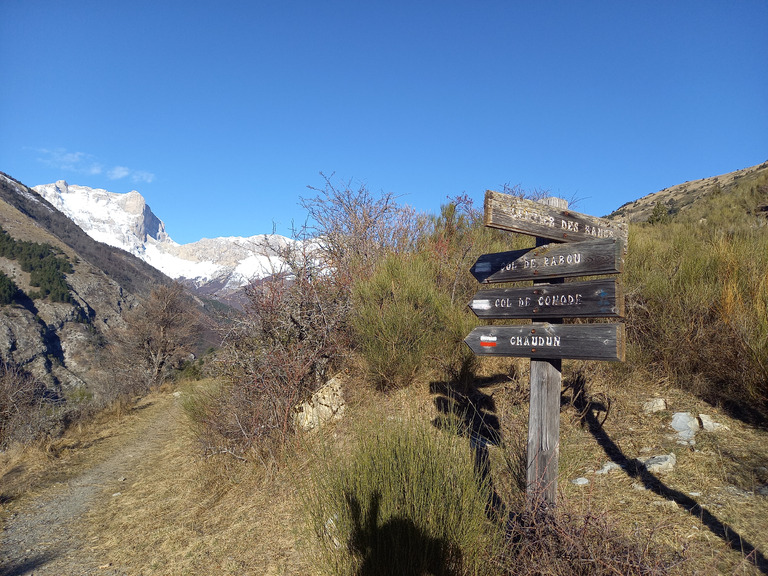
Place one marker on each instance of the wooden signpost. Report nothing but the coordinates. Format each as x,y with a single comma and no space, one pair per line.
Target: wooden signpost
547,221
594,299
591,257
585,246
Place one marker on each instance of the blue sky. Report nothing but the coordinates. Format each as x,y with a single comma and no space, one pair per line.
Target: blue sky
222,113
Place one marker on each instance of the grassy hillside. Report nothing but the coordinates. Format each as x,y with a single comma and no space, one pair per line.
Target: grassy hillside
681,197
698,296
424,474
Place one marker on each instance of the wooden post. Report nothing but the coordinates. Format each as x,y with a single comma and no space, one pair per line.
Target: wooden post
581,245
544,417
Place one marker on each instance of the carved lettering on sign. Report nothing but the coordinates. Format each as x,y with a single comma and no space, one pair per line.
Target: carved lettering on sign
592,299
535,341
588,257
525,216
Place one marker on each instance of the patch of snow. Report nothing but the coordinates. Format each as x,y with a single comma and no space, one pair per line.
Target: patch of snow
177,267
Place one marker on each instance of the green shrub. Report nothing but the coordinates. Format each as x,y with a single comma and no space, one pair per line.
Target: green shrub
659,214
402,320
8,290
407,501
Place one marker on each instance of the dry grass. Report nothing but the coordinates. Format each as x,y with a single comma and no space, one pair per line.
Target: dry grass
711,490
179,513
27,469
184,514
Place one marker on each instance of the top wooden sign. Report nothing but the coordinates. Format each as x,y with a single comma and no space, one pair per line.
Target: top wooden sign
535,219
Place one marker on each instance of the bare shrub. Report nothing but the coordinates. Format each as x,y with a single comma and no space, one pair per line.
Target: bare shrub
157,337
22,414
354,228
277,353
559,542
296,325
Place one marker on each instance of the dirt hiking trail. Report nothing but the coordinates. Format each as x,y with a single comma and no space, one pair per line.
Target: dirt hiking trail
47,533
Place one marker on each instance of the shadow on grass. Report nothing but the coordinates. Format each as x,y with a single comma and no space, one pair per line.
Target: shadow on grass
27,565
634,468
475,414
397,546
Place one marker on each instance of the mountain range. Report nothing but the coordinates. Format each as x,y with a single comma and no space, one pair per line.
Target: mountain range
59,341
212,266
119,250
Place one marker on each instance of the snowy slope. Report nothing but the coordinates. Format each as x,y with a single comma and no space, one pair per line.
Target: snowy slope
127,222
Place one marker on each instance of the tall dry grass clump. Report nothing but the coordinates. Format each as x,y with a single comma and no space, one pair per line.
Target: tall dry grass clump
406,501
698,299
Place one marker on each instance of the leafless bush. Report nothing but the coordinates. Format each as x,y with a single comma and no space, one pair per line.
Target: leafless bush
559,542
158,335
354,229
22,416
277,353
296,324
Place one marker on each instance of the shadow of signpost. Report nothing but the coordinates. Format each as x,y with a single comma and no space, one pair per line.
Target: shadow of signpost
588,413
475,413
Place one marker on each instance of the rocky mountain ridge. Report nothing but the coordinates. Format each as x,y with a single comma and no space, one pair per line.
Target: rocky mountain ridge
679,197
58,342
216,266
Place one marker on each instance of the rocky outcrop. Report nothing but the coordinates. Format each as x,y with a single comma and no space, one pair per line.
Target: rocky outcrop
326,405
146,224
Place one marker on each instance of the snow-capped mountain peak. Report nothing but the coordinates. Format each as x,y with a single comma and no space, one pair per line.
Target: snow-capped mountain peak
217,265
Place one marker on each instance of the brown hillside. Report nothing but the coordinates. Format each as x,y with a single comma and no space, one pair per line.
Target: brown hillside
681,196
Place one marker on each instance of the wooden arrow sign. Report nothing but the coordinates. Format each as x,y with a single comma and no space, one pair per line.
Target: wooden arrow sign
536,219
550,341
588,258
592,299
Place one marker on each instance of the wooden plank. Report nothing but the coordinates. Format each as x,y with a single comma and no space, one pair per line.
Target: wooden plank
550,341
543,432
515,214
587,258
591,299
544,414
